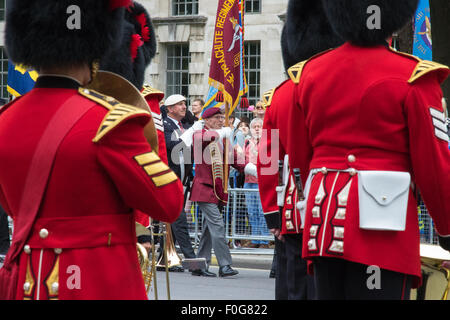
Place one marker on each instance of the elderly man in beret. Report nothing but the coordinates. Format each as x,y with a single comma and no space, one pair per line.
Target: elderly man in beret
208,190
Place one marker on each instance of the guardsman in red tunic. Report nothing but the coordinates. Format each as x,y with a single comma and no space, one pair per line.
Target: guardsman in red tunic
129,60
305,33
374,126
81,242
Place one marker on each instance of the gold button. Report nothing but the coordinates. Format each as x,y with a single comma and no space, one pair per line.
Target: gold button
43,233
351,158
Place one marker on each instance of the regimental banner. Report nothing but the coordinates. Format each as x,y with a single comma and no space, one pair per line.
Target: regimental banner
226,74
20,80
422,34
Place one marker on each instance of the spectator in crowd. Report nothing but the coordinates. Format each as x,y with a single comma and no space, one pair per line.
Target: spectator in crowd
259,111
196,107
242,133
240,136
189,119
208,191
173,129
255,212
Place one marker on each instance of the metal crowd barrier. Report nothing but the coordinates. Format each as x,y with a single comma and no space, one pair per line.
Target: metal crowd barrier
238,225
428,234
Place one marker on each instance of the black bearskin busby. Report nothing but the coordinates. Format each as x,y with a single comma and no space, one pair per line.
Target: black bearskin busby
306,32
39,33
351,19
137,47
143,25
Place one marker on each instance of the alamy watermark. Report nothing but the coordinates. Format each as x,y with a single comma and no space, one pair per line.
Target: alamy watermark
374,20
74,20
374,280
74,280
268,157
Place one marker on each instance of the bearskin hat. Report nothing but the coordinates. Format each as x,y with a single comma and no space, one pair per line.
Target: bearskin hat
41,33
306,32
351,18
144,27
137,48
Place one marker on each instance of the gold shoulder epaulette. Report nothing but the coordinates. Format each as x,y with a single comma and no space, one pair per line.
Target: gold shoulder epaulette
295,72
147,90
424,67
267,98
118,112
106,101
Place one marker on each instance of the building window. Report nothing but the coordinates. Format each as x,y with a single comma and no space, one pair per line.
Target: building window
253,70
2,10
184,7
4,94
252,6
178,59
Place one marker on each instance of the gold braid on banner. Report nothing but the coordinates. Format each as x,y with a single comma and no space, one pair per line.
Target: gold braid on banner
122,90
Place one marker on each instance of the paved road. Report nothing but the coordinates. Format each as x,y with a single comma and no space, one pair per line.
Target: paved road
249,284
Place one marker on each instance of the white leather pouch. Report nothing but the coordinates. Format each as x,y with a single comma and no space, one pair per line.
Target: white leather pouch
383,199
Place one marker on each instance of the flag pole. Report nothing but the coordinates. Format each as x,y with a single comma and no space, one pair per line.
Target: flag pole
225,149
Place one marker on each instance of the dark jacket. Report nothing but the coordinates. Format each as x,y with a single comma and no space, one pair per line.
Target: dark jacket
172,134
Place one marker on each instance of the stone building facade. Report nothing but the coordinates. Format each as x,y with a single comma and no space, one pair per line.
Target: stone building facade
184,30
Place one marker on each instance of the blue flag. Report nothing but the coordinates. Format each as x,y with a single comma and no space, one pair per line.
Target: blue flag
20,80
422,34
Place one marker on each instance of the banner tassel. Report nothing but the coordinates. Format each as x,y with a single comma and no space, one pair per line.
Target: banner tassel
220,97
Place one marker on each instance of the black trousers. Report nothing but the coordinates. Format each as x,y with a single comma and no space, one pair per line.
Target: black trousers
338,279
4,232
291,279
181,236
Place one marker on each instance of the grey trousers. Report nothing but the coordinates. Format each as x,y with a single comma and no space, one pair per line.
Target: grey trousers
213,235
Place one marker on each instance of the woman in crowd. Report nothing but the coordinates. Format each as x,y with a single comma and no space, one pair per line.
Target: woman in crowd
255,212
259,111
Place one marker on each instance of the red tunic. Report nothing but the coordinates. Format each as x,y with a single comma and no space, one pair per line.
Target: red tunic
153,97
369,109
88,247
273,147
